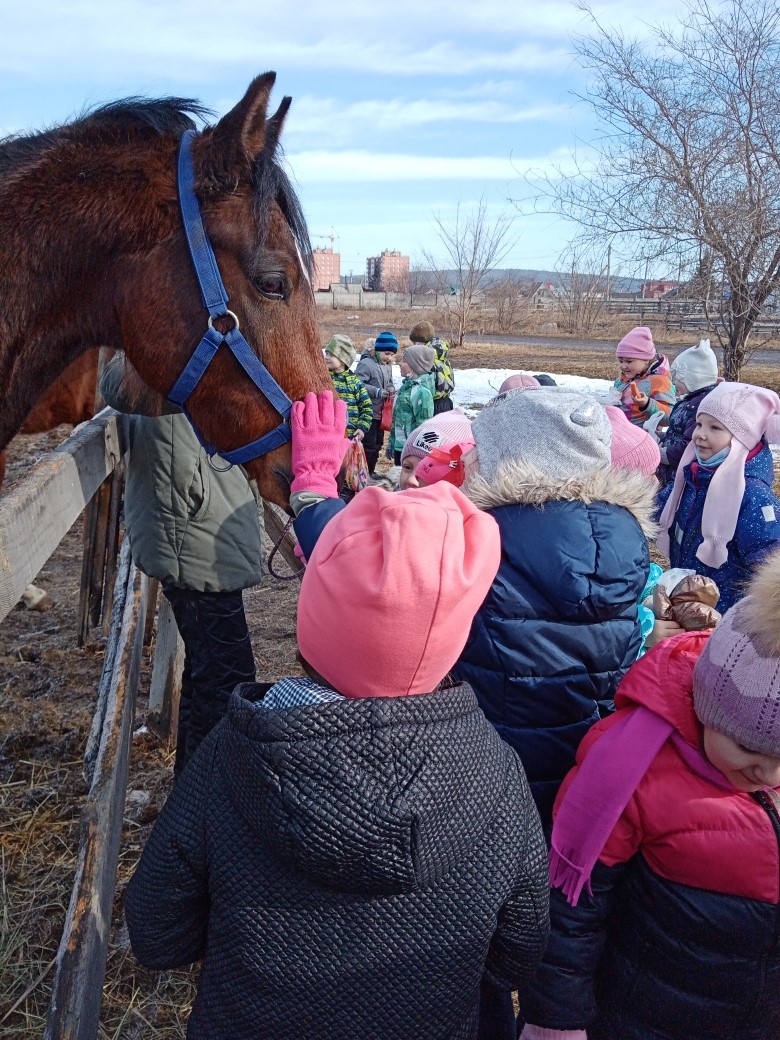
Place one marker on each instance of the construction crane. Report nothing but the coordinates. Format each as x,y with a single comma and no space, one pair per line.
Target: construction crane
332,236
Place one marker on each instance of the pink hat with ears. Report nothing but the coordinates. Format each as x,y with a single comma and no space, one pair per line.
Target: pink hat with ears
638,343
632,447
428,556
746,411
519,379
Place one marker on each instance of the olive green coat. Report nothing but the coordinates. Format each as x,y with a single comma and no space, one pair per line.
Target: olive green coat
188,525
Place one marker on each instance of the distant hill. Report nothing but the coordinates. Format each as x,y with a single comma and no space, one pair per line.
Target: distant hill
522,274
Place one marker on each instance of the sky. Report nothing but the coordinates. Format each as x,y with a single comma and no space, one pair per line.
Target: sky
403,112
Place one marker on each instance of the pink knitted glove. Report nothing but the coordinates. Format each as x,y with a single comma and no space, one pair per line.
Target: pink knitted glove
540,1033
319,425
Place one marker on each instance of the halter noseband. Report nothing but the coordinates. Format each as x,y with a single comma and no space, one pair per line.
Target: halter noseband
215,300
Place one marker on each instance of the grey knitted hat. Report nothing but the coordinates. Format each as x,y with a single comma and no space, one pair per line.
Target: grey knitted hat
343,348
420,358
560,432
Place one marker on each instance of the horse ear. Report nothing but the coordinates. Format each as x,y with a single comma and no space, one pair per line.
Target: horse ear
238,137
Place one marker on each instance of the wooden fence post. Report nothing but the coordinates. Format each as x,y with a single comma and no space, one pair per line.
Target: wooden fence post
162,716
74,1011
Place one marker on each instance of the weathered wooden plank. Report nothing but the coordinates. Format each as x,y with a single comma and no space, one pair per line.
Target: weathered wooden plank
36,516
74,1012
165,685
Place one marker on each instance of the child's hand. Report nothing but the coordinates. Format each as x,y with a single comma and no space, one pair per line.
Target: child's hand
640,400
318,425
358,436
663,630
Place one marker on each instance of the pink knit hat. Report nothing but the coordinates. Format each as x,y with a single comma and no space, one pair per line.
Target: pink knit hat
425,558
746,411
736,682
638,343
632,446
519,379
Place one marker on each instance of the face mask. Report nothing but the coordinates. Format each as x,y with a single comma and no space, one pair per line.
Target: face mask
715,460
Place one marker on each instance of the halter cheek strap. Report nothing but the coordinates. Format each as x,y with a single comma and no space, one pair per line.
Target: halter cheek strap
215,300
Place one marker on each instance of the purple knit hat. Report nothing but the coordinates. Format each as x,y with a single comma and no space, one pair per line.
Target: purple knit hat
638,343
736,681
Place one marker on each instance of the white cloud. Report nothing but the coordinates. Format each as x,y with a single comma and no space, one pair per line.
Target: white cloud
353,166
339,122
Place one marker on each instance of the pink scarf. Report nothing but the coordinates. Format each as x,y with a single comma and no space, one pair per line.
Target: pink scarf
596,798
722,504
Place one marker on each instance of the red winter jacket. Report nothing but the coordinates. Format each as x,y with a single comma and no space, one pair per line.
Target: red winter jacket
681,936
688,829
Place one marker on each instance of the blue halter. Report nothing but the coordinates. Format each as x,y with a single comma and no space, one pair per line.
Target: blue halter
215,300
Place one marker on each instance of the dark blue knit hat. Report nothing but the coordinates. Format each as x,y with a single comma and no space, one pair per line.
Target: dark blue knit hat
386,341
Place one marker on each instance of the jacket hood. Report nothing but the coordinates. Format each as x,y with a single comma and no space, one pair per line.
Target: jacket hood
518,483
662,680
375,795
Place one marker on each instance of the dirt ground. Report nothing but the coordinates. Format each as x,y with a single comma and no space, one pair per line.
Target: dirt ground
47,694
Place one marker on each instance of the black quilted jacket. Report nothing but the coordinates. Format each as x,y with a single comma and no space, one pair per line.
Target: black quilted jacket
345,871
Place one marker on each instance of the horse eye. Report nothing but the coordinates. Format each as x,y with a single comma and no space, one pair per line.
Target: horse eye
272,286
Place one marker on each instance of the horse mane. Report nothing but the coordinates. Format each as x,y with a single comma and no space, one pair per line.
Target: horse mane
153,118
272,183
157,118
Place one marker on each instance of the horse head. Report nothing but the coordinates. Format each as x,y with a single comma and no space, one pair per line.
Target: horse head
254,223
94,253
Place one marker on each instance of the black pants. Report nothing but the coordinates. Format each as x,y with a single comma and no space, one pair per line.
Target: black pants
217,656
442,404
372,444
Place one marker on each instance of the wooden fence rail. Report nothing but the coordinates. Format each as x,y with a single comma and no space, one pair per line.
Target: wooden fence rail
34,518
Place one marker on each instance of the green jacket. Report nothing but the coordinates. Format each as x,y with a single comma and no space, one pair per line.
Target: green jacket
188,525
360,411
442,369
413,405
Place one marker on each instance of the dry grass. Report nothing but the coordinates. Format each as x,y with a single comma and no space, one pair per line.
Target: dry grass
41,785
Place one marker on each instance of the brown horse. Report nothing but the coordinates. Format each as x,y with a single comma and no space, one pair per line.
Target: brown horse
93,253
70,400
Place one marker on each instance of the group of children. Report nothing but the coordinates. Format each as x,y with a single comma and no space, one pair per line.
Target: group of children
358,853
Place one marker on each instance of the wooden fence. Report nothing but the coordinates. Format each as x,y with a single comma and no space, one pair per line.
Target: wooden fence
34,518
83,474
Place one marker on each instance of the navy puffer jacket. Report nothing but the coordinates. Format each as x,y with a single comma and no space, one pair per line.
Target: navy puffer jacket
758,526
560,626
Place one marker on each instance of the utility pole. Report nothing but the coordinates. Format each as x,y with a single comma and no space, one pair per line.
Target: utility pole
609,265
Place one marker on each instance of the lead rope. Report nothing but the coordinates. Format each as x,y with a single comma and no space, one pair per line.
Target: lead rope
282,577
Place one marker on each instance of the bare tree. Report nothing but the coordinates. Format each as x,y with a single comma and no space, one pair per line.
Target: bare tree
583,288
687,163
508,303
473,247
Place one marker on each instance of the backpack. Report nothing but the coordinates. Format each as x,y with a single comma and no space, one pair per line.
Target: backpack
442,369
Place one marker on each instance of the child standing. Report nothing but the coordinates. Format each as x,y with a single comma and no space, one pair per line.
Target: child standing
414,401
443,376
721,517
644,384
351,853
560,625
340,353
695,373
375,370
671,825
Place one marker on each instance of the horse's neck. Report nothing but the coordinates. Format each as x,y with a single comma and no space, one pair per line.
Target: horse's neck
62,245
